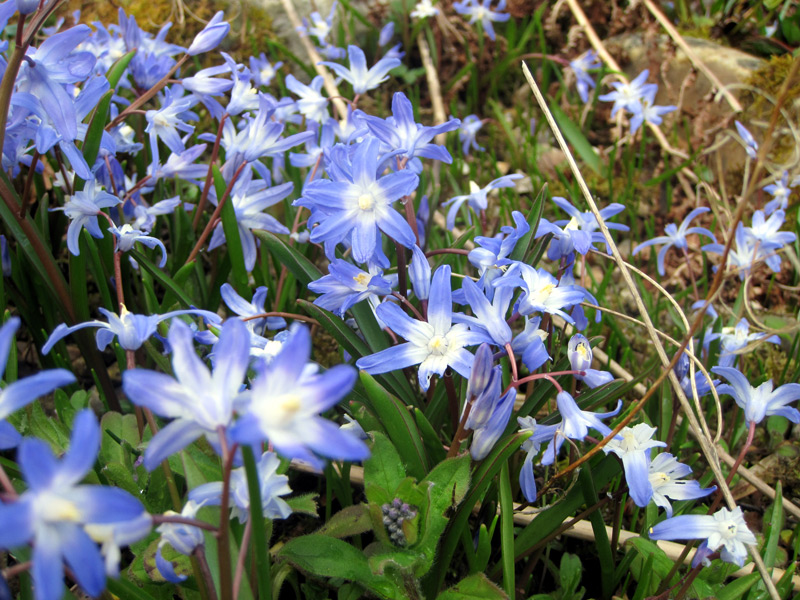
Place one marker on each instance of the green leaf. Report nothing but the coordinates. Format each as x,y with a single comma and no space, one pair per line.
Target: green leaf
383,468
602,544
377,341
400,425
233,241
121,476
94,133
475,586
507,531
481,479
260,550
162,278
303,269
534,215
53,431
305,504
329,557
116,71
738,587
348,521
603,470
433,445
569,573
335,326
774,525
577,140
120,438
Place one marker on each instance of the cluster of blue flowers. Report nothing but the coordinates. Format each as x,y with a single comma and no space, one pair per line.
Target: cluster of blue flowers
234,383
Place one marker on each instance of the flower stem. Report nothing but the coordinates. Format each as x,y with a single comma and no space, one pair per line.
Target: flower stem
223,535
200,555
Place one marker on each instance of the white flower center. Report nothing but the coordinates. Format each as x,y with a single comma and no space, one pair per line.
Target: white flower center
362,279
53,508
366,201
438,345
659,477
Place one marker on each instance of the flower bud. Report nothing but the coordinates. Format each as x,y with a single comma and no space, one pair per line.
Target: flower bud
579,353
210,37
26,7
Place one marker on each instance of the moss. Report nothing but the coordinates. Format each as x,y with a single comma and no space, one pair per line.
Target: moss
152,14
770,79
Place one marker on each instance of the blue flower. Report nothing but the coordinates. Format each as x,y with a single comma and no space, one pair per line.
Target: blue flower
246,309
165,123
540,434
765,235
126,236
499,407
760,402
648,112
490,317
780,191
467,133
744,255
481,12
284,404
312,103
478,198
346,285
492,256
541,291
580,233
82,208
131,330
386,34
666,477
271,484
433,345
419,273
52,513
628,95
750,144
575,424
24,391
250,198
263,71
358,76
725,530
360,207
580,66
182,537
734,339
200,402
676,237
402,132
321,27
634,450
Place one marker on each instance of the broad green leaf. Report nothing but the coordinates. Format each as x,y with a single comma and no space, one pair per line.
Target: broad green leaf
329,557
305,504
577,140
477,587
384,467
348,521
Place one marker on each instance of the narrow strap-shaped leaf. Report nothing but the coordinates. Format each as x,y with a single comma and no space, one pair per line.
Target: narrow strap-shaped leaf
233,241
399,425
303,269
162,278
534,215
260,542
